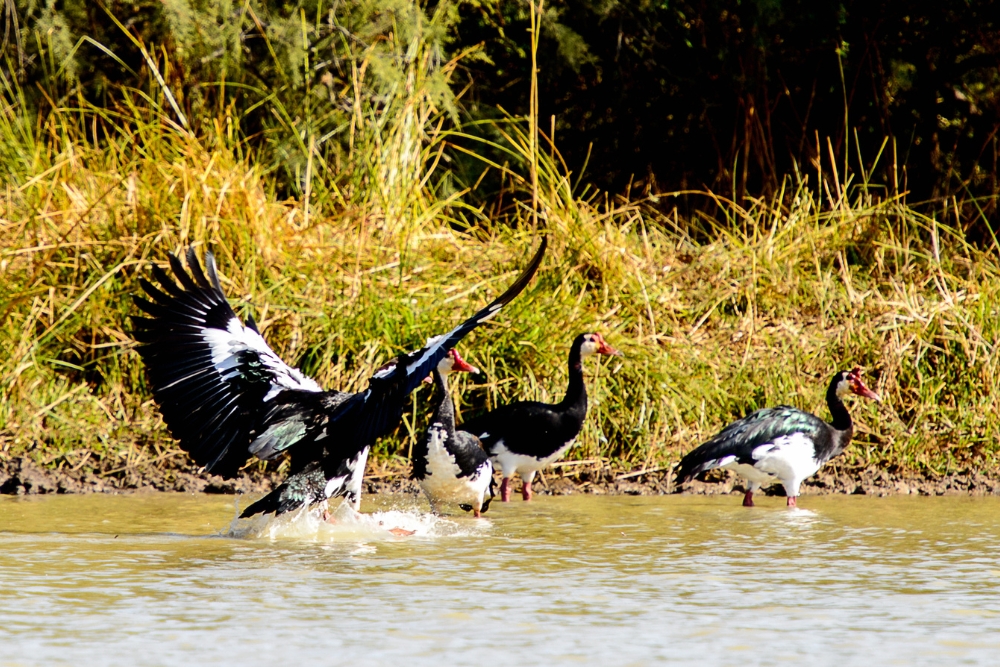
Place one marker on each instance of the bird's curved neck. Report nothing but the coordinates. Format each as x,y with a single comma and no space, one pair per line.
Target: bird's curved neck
576,392
841,417
445,413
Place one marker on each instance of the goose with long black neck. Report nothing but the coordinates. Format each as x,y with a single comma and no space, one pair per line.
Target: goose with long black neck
450,465
526,436
782,444
227,397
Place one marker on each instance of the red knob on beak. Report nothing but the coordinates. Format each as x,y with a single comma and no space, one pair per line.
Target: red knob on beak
606,349
461,365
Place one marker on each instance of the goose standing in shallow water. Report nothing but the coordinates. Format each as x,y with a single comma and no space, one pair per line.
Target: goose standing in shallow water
227,397
451,465
526,436
781,444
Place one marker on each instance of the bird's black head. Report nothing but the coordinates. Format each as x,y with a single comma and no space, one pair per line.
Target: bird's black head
454,363
594,343
849,382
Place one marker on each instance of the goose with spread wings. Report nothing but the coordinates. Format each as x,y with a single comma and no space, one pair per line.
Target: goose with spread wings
227,397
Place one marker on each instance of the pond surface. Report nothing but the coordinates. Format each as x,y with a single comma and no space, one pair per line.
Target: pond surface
172,580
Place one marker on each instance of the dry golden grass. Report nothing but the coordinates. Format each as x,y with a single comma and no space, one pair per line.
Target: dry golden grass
716,317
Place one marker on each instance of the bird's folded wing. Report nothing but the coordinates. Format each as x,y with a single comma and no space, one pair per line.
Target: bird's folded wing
737,441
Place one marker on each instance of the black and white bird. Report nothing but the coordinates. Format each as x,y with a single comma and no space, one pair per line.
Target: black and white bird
782,444
227,397
526,436
451,465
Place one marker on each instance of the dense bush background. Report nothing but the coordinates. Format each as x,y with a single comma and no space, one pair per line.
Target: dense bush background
731,94
727,95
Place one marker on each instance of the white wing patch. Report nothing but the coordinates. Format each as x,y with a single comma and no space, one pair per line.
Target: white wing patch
429,351
439,460
719,463
226,345
490,315
333,485
385,371
352,489
349,485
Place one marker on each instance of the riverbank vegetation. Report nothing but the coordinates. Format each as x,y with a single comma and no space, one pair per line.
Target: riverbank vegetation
357,206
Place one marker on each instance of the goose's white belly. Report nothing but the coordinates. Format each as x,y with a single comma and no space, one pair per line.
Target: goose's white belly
524,465
442,483
789,459
792,459
758,478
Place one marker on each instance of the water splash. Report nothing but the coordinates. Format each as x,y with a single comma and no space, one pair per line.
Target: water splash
346,525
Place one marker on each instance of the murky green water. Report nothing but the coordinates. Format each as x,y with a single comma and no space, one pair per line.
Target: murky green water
161,580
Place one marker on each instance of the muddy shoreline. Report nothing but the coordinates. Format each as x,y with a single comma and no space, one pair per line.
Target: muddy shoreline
22,476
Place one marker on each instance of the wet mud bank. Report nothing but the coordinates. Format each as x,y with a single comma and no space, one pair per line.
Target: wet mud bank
22,476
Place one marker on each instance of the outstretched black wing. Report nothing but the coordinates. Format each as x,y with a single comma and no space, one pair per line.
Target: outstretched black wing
737,442
341,434
390,386
213,378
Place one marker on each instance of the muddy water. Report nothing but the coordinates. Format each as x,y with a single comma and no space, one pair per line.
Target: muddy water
172,580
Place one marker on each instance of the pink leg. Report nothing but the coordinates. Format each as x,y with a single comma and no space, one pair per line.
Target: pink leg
526,491
791,502
505,490
748,499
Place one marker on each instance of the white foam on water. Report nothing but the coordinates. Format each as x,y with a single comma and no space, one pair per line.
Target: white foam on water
346,525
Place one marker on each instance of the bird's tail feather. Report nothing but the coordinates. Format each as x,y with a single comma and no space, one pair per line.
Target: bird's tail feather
271,503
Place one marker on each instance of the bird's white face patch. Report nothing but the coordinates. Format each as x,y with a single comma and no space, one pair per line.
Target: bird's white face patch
446,364
843,388
589,347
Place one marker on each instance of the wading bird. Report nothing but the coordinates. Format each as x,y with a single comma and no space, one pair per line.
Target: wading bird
451,465
227,397
526,436
782,444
